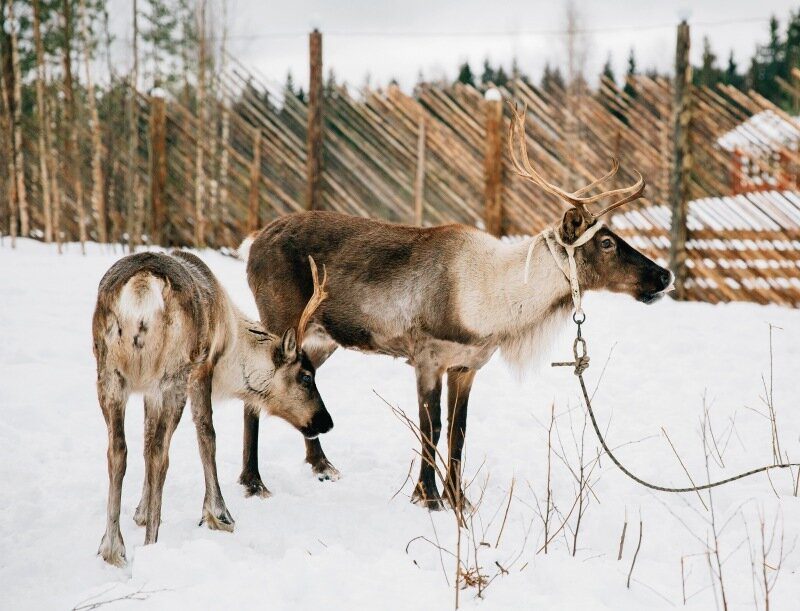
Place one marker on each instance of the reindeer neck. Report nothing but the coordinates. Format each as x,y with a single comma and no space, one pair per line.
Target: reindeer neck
237,354
498,299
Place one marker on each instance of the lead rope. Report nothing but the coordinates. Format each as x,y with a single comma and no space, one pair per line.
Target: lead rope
581,364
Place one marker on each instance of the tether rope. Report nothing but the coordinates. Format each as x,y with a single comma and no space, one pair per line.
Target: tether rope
581,363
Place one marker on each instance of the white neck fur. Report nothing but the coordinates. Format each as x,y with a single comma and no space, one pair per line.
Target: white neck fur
495,301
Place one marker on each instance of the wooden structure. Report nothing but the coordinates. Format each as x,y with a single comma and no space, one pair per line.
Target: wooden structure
422,158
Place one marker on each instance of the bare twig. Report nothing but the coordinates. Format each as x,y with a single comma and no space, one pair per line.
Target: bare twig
636,553
622,536
685,470
505,515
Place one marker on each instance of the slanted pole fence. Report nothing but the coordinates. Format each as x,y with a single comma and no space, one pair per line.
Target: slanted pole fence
433,157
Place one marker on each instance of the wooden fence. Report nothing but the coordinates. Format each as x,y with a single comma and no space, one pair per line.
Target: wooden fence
208,176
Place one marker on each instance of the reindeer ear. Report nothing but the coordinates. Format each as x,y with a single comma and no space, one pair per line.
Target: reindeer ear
573,225
289,345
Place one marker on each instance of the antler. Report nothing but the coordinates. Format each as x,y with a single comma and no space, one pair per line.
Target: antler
317,297
524,169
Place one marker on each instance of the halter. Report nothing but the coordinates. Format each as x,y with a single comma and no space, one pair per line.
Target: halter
568,268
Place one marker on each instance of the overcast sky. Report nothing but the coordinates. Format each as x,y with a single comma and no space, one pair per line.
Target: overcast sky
398,39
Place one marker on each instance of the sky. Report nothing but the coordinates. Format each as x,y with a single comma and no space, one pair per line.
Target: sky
379,40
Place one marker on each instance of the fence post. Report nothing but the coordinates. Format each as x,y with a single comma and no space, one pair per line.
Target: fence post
419,178
493,165
253,220
682,160
158,168
314,129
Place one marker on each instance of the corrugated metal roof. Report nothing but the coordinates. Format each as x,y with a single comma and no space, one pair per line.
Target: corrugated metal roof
757,211
762,134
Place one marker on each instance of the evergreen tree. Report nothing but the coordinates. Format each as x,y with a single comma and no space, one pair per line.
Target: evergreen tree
731,75
330,85
552,81
629,89
708,74
608,70
161,48
465,75
488,75
767,64
500,77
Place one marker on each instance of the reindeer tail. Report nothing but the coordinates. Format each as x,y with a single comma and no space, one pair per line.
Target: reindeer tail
141,305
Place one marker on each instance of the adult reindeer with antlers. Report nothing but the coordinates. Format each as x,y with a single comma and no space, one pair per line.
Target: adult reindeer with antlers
443,298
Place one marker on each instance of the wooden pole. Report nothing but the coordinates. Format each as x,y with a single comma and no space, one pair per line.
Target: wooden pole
314,130
253,220
158,168
682,160
419,178
493,168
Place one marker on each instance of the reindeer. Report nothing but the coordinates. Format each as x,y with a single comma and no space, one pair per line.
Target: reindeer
443,298
164,326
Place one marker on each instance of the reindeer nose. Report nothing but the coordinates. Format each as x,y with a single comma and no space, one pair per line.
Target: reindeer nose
665,278
321,422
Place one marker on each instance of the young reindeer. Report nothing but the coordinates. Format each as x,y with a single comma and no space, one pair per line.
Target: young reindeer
443,298
164,326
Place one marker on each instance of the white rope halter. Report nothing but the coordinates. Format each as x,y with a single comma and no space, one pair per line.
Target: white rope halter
570,269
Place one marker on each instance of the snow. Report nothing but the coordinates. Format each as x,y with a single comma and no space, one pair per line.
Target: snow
342,545
762,133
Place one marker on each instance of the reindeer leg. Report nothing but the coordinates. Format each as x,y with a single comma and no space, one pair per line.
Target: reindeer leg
429,394
320,464
140,516
318,346
459,384
215,513
250,477
113,396
172,396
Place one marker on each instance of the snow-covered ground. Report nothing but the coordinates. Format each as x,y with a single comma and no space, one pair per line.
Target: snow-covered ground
344,545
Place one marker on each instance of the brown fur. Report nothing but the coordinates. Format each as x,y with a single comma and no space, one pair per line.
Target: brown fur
444,298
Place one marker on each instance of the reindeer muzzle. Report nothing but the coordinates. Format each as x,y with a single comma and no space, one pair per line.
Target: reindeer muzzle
319,424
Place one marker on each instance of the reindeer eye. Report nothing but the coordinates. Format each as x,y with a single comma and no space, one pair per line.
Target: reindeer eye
305,379
607,243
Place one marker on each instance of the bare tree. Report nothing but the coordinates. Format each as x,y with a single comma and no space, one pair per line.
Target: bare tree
16,121
576,50
71,148
6,74
44,123
132,211
98,196
226,120
200,177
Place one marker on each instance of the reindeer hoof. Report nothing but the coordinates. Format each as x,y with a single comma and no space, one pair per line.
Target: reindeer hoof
429,498
466,506
112,550
218,520
325,471
253,486
140,516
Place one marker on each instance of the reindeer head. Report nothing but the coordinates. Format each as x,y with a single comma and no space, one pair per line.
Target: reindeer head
291,393
604,261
